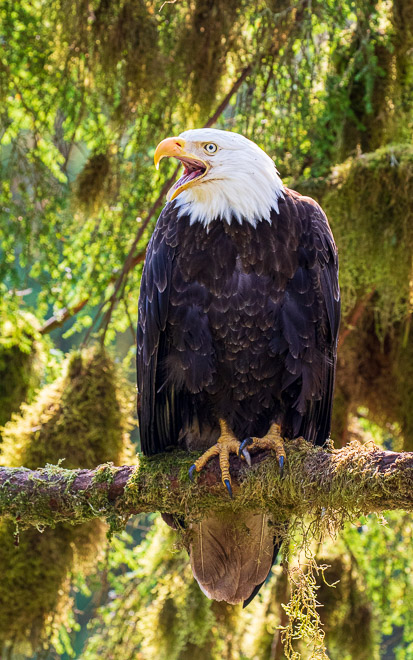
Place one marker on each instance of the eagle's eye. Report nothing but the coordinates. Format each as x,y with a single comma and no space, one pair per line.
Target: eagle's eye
210,148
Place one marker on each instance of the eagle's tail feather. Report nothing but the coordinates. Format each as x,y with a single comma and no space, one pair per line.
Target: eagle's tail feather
231,556
277,546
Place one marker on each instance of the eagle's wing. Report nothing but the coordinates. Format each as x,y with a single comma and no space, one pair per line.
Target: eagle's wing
158,408
309,325
317,422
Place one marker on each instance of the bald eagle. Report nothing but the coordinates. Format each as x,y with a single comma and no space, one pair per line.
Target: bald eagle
238,320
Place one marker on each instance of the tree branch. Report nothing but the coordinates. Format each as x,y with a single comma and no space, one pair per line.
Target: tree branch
56,321
344,483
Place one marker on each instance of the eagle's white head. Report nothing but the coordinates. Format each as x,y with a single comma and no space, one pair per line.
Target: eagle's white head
225,175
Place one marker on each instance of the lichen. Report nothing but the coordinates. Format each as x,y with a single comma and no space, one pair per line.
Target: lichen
303,611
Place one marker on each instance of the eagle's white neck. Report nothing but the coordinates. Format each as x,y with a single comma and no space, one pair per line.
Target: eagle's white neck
247,191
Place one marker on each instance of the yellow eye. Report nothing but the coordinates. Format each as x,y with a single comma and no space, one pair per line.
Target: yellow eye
210,148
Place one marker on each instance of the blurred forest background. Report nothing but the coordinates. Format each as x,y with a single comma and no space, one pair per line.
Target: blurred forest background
88,88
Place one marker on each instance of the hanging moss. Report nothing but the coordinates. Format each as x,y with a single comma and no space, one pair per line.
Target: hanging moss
120,40
369,207
368,202
21,362
95,182
83,419
211,32
127,38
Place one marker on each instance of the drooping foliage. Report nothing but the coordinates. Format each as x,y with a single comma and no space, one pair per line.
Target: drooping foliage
82,419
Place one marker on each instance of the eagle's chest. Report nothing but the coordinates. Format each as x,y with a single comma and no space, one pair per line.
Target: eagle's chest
222,256
228,286
241,308
241,320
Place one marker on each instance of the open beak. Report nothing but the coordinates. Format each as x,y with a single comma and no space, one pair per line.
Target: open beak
194,168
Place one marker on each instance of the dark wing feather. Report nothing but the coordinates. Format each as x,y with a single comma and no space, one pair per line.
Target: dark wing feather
306,325
316,422
158,402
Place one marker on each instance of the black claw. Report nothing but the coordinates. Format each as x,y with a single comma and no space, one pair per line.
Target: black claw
244,443
228,485
281,464
191,472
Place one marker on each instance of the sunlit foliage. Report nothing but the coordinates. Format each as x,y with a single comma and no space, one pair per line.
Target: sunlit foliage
87,90
90,87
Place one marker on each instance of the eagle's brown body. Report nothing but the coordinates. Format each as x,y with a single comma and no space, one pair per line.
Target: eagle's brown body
239,323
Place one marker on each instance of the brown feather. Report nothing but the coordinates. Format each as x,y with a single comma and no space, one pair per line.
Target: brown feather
230,556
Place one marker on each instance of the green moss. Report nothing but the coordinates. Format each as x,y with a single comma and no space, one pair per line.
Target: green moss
128,46
78,419
343,482
83,419
21,362
368,202
369,207
317,494
126,62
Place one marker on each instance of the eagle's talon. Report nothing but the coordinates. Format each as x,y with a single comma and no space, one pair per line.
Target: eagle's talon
245,453
271,441
227,444
228,485
191,472
245,443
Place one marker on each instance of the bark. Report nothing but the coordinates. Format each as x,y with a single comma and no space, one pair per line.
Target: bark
337,484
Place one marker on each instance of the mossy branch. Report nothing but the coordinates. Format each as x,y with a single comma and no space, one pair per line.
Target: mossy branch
344,483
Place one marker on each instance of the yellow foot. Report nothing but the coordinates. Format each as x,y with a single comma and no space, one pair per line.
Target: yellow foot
227,444
272,440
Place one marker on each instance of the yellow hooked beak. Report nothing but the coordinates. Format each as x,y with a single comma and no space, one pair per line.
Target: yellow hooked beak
194,167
